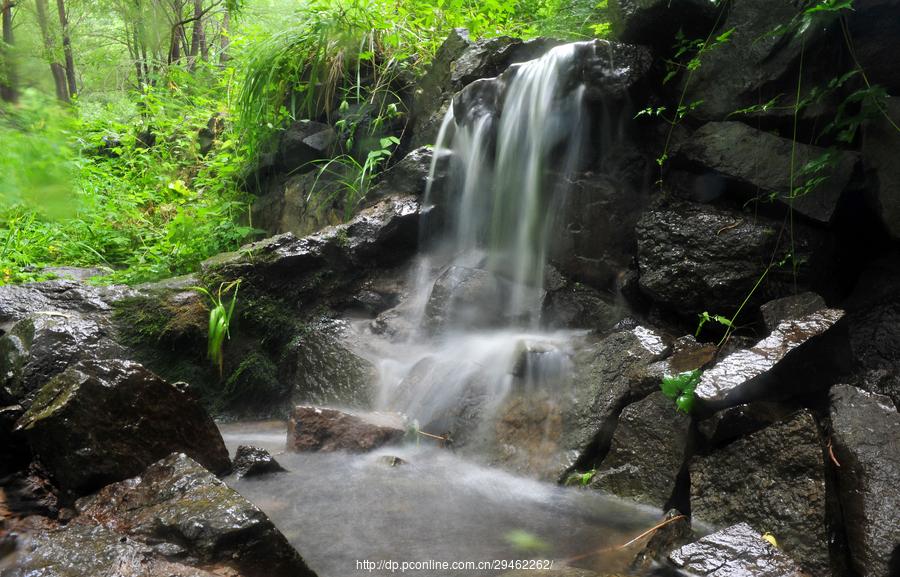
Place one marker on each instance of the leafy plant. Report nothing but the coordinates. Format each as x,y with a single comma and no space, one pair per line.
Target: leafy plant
680,388
526,542
219,319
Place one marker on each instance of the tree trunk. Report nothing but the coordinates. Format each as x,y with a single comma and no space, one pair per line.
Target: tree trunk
9,82
226,40
198,37
56,69
67,47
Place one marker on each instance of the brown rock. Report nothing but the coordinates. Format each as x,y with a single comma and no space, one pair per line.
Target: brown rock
319,429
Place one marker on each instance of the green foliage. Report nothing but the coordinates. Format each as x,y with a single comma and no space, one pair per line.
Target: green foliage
526,542
680,388
219,320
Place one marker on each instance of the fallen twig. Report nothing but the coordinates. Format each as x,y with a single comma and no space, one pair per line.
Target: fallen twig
659,525
831,454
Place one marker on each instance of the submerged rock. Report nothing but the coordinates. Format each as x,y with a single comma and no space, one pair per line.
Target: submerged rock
738,551
327,430
647,452
103,421
741,375
773,479
695,257
177,502
866,436
753,161
253,462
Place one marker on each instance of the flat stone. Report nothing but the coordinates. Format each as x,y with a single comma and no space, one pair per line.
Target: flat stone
790,307
866,436
729,378
328,430
773,479
738,551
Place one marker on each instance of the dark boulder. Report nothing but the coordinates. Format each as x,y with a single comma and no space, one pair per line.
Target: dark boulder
579,306
177,502
738,551
42,345
676,533
790,307
302,143
464,296
655,22
58,296
103,421
82,550
695,257
874,28
880,148
732,423
773,479
865,431
327,430
747,374
756,164
409,176
647,452
300,203
253,462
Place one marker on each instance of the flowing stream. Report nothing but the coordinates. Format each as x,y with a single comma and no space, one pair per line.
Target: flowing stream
472,336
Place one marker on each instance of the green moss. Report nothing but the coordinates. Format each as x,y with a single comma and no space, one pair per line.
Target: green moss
52,397
253,384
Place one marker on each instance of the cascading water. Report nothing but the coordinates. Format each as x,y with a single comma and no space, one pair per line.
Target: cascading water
476,306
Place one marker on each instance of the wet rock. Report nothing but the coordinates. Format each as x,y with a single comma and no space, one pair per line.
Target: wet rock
773,479
30,492
581,307
42,345
881,145
324,263
78,550
102,421
527,429
410,175
431,98
752,162
694,257
58,296
391,461
738,551
673,535
790,307
884,382
253,462
178,502
874,28
769,62
866,442
655,22
467,297
593,238
321,367
327,430
873,315
301,204
647,452
609,374
303,142
742,375
733,423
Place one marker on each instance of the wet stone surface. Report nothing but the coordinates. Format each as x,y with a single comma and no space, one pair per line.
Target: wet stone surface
253,462
327,430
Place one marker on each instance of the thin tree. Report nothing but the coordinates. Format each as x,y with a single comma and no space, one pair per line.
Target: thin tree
67,47
56,69
9,89
198,37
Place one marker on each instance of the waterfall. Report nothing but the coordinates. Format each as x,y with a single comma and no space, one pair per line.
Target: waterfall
477,292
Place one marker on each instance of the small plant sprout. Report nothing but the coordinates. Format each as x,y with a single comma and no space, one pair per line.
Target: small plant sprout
219,319
680,388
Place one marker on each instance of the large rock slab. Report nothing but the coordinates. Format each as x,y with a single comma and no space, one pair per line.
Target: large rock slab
790,307
738,551
773,479
103,421
741,375
866,442
695,257
756,164
647,452
81,550
177,501
58,296
327,430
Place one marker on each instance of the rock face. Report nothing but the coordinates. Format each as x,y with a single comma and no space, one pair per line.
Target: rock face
60,296
655,22
881,144
740,375
753,162
608,375
467,297
791,307
326,430
873,25
176,501
300,204
866,436
738,551
253,462
103,421
579,306
694,257
303,142
774,479
647,452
